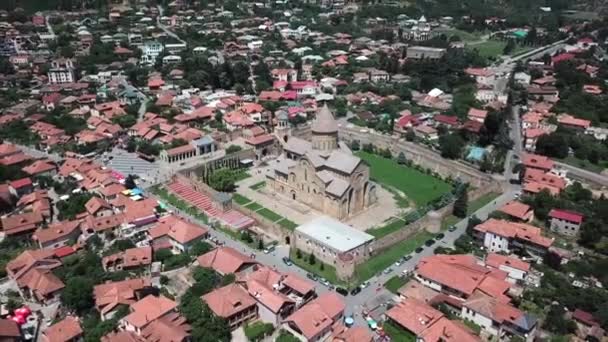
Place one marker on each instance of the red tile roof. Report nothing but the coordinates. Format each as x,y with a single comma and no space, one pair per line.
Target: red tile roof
64,331
20,183
9,329
260,139
516,209
446,119
225,260
149,309
318,315
584,317
111,294
414,315
178,230
496,260
445,330
131,257
21,223
537,161
514,230
56,231
566,215
228,300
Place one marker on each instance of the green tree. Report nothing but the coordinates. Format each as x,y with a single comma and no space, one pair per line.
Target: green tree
556,322
162,255
401,159
298,253
233,149
312,259
461,204
410,135
78,294
199,248
223,179
206,280
451,145
260,244
206,327
355,146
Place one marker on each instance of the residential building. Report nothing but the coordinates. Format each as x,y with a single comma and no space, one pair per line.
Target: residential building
516,269
414,316
176,234
477,114
504,236
498,318
66,330
58,234
61,71
313,321
146,313
31,270
21,224
10,331
128,259
226,260
150,52
233,303
111,295
565,222
537,161
98,207
518,211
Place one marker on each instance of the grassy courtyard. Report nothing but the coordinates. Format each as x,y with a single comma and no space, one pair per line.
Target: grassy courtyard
264,212
395,283
417,186
390,226
326,271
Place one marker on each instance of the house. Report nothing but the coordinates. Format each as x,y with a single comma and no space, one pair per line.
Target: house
21,186
518,211
128,259
424,52
313,321
37,201
516,269
342,333
232,303
498,318
445,330
588,325
565,222
146,312
477,114
426,132
62,71
98,207
176,234
504,236
572,122
31,270
21,224
66,330
536,161
531,136
483,76
226,260
447,120
543,93
9,331
41,168
536,180
414,316
111,295
57,235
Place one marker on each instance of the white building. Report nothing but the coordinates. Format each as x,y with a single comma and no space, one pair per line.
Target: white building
61,71
150,51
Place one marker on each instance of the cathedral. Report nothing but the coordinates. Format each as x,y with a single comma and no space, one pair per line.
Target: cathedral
323,173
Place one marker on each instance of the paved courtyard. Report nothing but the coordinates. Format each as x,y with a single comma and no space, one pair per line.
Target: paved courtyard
301,213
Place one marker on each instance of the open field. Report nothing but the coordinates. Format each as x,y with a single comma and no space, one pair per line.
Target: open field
417,186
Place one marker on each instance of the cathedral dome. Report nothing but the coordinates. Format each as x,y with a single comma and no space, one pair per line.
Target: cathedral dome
324,123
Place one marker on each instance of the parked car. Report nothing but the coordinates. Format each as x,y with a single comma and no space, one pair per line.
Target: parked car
269,249
407,257
439,236
429,242
342,291
419,249
312,277
355,291
324,281
287,261
364,284
452,228
398,263
388,270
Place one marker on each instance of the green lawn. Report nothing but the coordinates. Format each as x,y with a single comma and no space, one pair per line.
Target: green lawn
287,224
269,214
391,226
584,164
464,35
240,199
490,48
418,186
258,186
328,272
387,257
395,283
254,206
396,333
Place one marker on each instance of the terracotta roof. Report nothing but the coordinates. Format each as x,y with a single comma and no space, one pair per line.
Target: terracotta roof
266,295
95,204
566,215
516,209
177,229
111,294
99,224
181,150
477,113
414,315
16,224
8,149
445,330
137,210
415,290
39,166
537,161
8,329
169,328
443,269
260,139
569,120
584,317
490,307
298,283
340,333
56,231
514,230
446,119
66,330
318,315
122,336
20,183
131,257
149,309
225,260
497,260
228,300
546,178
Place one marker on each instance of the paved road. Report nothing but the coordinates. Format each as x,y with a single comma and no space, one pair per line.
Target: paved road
165,28
39,154
589,176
